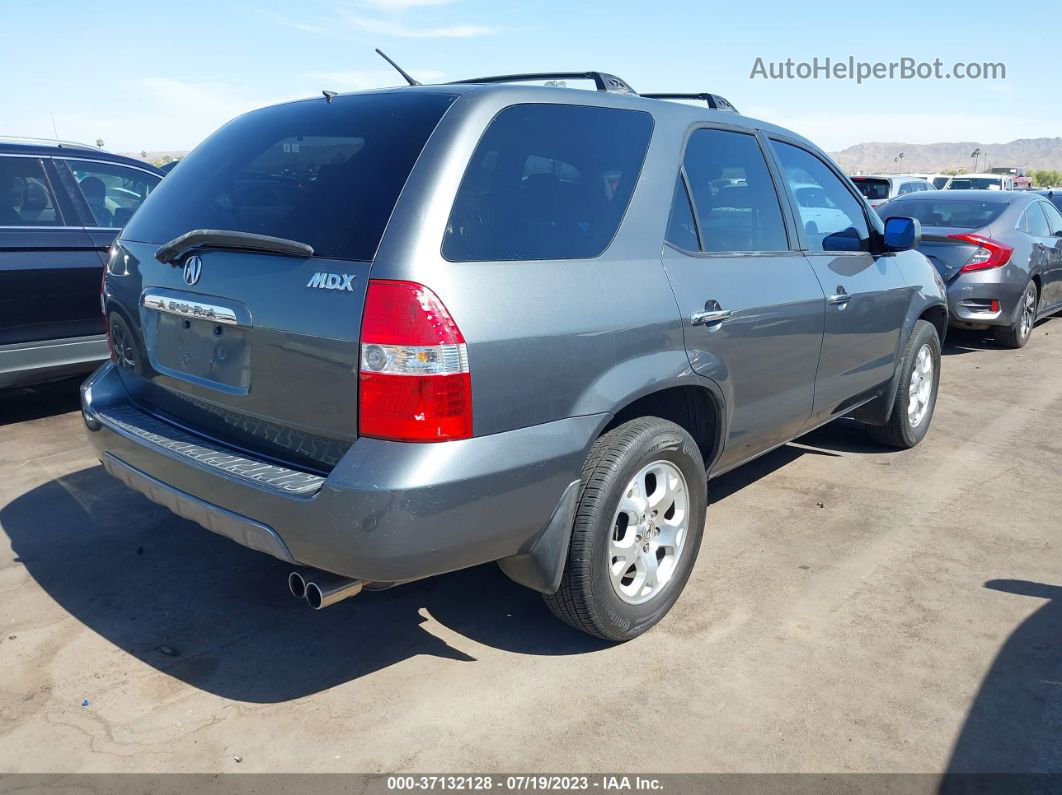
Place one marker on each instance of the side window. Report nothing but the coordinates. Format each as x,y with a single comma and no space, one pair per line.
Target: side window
111,192
907,187
25,195
681,230
835,222
1034,222
733,195
1054,219
547,182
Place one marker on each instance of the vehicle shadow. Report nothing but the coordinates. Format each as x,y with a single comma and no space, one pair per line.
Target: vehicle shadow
211,613
960,341
1015,722
834,440
45,400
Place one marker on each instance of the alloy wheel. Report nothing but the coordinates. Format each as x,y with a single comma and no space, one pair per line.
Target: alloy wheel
648,532
920,390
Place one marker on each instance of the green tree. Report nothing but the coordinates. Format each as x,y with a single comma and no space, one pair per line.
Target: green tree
99,143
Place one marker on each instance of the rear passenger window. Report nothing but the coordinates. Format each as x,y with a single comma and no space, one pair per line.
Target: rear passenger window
832,217
1054,219
547,182
733,194
681,229
25,195
108,193
1033,221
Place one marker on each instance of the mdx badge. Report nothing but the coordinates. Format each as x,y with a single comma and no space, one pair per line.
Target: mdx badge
332,281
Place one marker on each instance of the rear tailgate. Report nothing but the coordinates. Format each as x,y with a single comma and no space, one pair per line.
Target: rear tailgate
259,349
251,354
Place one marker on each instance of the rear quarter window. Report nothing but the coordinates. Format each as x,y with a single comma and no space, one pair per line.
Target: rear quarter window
547,182
872,189
323,173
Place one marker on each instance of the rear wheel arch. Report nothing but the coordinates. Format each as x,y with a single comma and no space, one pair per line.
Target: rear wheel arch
696,409
938,316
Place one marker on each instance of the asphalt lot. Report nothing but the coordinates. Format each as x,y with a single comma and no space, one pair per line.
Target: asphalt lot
853,609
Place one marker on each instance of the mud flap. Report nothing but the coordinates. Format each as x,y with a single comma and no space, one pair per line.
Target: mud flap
541,565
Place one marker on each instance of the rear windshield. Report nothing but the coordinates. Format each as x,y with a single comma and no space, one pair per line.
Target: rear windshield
326,174
547,182
940,182
963,214
974,183
872,189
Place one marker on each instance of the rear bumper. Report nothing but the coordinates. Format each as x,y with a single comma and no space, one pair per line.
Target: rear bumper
970,294
388,512
33,362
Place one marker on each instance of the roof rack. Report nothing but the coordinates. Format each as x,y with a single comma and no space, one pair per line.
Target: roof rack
714,101
603,80
22,139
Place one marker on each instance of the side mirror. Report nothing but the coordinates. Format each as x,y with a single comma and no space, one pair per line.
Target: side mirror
902,233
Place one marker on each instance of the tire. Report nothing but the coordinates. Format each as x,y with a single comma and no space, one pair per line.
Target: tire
907,425
127,351
598,593
1017,333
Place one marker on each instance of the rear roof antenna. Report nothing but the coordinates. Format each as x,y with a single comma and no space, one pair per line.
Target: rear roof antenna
328,95
400,70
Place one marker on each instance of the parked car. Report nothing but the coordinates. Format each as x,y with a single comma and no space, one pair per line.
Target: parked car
392,334
166,168
816,209
981,182
938,181
1053,195
1000,254
878,189
61,206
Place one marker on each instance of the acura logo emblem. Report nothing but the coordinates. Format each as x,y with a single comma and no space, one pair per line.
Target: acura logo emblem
193,268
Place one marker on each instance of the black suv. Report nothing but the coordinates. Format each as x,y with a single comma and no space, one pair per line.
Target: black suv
61,206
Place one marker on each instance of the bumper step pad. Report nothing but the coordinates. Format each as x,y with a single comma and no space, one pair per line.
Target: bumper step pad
155,432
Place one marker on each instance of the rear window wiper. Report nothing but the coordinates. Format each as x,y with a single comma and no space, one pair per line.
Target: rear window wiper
228,238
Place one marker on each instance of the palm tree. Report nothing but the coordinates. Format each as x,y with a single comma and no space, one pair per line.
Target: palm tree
975,154
99,143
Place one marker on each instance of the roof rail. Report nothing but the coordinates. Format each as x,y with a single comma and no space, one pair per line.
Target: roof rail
603,80
22,139
714,101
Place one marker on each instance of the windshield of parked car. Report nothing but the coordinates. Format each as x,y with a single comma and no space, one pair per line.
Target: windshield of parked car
940,182
963,214
327,174
975,183
872,189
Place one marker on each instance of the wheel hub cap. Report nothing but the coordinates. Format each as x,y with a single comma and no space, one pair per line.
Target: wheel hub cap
920,392
1028,312
648,532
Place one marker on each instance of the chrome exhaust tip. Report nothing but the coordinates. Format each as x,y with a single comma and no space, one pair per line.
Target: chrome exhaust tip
326,589
297,584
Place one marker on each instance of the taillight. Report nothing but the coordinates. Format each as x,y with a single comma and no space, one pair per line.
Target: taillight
990,253
414,379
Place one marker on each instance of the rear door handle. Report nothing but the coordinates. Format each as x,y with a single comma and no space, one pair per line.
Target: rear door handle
709,317
839,298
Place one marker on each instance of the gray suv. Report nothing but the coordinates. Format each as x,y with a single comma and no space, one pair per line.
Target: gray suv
392,334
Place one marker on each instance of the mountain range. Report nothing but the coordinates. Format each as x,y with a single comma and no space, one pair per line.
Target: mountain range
1033,153
877,157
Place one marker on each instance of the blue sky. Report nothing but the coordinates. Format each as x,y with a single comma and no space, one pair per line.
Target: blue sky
159,76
